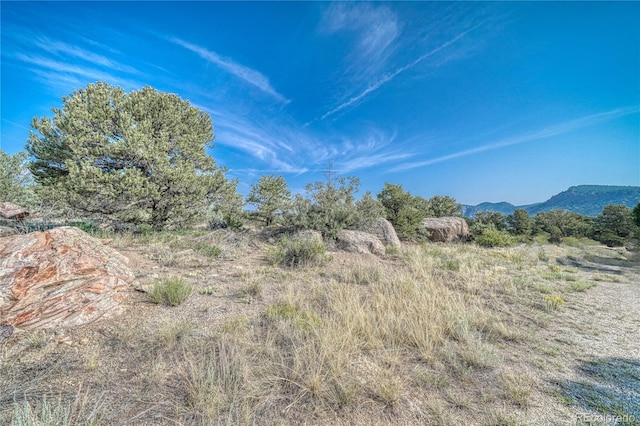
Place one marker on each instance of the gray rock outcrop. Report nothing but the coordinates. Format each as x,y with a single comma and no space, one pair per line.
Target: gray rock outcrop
359,242
386,233
446,229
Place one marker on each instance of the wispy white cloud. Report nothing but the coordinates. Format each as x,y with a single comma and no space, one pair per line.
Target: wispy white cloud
247,74
388,77
281,146
367,161
376,29
547,132
273,143
97,44
75,52
65,65
370,147
61,73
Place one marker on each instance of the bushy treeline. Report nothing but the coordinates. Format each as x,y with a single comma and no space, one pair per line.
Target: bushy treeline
331,206
327,207
615,225
406,211
140,159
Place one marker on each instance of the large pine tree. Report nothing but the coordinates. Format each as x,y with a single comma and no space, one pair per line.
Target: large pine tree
136,157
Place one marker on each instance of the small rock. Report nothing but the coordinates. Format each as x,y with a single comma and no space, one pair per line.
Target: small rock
64,340
12,211
6,331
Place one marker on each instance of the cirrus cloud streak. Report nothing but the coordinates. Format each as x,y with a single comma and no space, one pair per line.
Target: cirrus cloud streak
547,132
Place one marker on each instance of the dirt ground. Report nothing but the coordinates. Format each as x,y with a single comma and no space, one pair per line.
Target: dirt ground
595,344
581,361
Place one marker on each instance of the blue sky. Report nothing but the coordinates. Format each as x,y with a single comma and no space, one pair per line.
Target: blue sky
497,101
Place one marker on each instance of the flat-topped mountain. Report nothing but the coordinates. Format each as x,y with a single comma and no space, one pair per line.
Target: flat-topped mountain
588,200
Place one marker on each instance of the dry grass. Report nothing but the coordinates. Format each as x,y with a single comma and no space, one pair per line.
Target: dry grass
427,335
517,388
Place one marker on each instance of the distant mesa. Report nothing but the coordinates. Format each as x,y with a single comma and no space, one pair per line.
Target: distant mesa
587,200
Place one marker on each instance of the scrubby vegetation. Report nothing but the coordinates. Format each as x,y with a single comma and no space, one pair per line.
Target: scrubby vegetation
16,181
406,211
491,237
614,227
170,291
271,198
297,251
138,159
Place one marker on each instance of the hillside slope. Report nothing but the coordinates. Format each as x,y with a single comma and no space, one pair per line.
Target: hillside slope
588,200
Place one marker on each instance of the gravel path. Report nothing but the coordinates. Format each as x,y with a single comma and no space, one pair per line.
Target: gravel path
597,337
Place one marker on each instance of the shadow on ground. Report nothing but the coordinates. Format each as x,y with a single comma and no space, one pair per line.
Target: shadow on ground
614,264
607,387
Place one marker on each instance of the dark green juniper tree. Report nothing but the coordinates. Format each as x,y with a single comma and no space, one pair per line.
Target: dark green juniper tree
271,197
561,223
614,225
443,205
137,157
16,180
636,214
405,211
494,220
520,223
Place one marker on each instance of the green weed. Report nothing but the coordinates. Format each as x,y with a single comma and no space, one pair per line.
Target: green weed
170,291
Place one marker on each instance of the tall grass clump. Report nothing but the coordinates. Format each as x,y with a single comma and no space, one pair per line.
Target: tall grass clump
297,251
207,250
412,307
56,413
215,379
78,410
395,313
170,291
320,338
